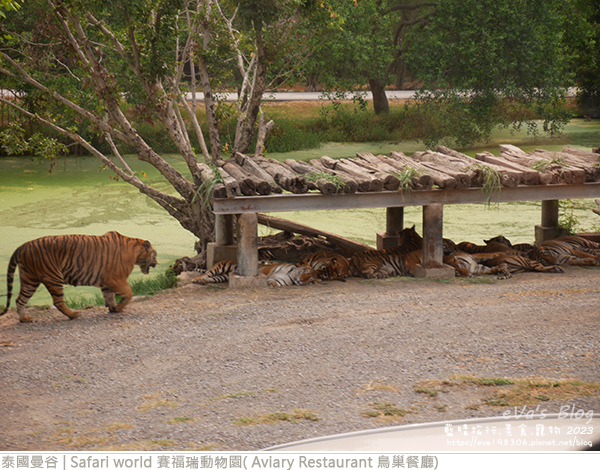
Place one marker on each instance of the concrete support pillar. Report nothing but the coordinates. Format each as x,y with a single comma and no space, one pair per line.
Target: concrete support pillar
394,224
224,229
549,227
432,263
224,246
247,253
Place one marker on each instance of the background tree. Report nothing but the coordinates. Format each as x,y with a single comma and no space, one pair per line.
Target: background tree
491,62
361,44
584,38
100,65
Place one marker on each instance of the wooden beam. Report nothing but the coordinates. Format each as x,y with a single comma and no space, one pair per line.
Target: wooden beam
304,202
348,246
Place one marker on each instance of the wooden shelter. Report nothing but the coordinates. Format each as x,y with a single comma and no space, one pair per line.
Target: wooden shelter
431,179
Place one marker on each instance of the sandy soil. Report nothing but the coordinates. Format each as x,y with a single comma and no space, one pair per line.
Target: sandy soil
211,368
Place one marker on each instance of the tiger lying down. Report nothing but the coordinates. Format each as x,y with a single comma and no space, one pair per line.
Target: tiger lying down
497,257
80,260
322,265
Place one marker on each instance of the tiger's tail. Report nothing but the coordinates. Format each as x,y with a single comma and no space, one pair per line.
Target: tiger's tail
10,277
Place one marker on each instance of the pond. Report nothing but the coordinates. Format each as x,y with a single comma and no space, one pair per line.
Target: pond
80,197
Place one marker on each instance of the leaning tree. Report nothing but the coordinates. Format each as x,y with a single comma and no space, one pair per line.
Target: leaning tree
89,69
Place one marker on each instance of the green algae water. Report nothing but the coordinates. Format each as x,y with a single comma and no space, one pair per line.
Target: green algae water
78,196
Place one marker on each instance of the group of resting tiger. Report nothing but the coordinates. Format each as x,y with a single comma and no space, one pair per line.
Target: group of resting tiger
107,261
497,256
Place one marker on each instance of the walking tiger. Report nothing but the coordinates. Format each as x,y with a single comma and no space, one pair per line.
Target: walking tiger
104,261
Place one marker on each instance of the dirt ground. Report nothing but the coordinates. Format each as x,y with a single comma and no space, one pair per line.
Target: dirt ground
212,368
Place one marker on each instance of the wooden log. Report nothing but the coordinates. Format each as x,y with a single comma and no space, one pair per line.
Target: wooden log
283,175
548,175
528,176
551,165
207,175
363,181
586,155
350,185
348,247
252,167
442,180
351,168
380,169
322,184
232,187
246,182
458,169
509,178
300,167
422,180
580,169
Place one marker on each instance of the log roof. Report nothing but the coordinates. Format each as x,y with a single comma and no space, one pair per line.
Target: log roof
443,168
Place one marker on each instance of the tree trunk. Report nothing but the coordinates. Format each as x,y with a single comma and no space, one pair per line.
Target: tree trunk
380,101
247,119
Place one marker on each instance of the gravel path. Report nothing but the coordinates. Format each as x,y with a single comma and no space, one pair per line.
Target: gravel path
204,367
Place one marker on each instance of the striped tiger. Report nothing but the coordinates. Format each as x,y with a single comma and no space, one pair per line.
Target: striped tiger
555,252
380,264
287,274
519,264
104,261
580,243
328,265
466,265
491,246
410,239
522,247
220,272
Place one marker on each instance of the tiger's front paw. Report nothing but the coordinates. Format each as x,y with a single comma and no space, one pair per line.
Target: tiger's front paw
25,319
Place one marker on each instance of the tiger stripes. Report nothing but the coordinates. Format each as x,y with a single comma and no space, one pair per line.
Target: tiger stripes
555,252
328,265
220,272
104,261
288,274
381,264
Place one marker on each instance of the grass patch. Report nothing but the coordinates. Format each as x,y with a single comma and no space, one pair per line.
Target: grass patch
278,417
146,286
141,287
181,419
383,409
513,392
430,392
153,401
379,386
237,395
534,391
81,302
118,427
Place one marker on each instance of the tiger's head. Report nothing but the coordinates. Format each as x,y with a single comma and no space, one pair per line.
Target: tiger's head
410,238
338,268
499,239
146,257
306,275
